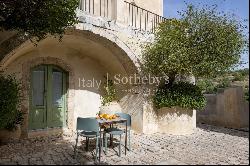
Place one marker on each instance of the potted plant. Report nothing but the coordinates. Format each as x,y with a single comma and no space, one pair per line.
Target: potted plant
10,115
109,100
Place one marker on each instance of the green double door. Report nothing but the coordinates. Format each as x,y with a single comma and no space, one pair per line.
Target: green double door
47,98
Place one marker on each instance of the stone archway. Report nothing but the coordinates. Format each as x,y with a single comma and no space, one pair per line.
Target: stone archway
128,50
75,44
125,55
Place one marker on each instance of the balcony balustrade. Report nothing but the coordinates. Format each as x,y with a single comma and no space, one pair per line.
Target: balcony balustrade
135,16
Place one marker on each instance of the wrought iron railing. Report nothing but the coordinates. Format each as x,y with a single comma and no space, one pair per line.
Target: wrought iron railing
97,7
142,19
134,16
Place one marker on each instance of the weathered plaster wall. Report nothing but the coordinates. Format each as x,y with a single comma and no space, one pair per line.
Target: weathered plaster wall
228,108
82,101
177,121
89,50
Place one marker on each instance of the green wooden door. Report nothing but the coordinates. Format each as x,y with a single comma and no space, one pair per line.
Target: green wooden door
48,97
56,97
37,115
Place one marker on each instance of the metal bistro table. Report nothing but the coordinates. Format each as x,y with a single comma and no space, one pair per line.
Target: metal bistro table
111,122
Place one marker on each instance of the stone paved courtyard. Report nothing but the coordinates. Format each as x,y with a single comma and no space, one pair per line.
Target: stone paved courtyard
209,145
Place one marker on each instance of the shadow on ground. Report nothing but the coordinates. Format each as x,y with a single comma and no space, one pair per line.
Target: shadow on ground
47,150
229,131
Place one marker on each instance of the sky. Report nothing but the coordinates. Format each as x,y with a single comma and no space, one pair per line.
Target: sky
238,7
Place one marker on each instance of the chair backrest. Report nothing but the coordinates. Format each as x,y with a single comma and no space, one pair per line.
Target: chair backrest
87,124
125,116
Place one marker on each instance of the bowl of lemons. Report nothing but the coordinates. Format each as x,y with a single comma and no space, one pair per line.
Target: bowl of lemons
108,116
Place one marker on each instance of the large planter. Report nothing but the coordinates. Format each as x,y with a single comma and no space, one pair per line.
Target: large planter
176,120
6,135
111,108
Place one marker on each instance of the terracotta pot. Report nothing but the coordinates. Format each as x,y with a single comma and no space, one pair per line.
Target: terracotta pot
111,108
6,135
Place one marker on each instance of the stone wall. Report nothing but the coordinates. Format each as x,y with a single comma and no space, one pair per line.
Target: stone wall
228,108
89,50
176,120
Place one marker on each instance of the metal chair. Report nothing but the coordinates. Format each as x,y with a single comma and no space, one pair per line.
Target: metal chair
89,128
118,131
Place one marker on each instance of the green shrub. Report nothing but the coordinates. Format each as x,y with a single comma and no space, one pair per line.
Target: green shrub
206,85
182,94
10,115
238,77
244,72
110,92
247,95
224,83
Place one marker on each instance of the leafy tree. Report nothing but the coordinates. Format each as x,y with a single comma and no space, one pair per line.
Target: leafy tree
37,18
203,43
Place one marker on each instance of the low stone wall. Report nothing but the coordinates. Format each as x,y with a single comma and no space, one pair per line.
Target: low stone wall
228,108
176,121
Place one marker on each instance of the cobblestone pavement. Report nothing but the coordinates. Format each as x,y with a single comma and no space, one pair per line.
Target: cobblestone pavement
208,145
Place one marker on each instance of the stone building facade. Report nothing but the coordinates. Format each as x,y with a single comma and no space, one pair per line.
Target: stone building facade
57,76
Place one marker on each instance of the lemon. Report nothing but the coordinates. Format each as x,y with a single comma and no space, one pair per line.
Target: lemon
106,116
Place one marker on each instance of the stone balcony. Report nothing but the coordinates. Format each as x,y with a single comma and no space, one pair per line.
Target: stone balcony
132,24
123,12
